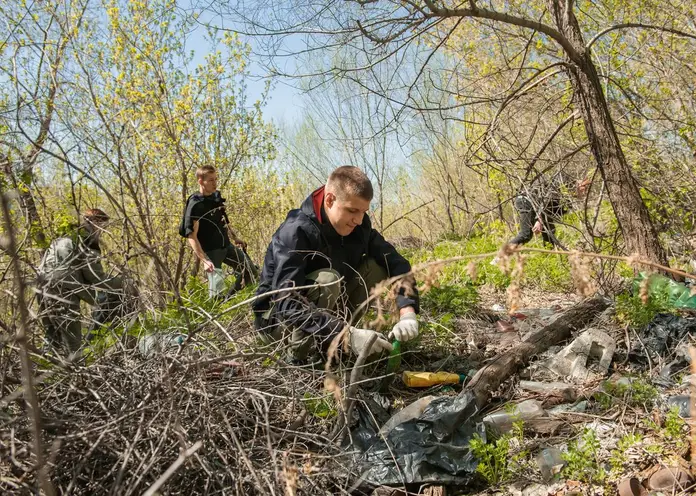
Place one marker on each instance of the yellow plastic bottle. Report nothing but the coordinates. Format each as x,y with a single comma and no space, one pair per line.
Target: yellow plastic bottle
427,379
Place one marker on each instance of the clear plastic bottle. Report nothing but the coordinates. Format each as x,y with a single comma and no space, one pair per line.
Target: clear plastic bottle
562,389
502,420
158,343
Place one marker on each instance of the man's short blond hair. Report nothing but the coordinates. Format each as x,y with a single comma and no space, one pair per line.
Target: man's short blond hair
350,181
204,170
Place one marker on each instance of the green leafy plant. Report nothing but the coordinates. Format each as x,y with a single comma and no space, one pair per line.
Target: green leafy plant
497,461
637,392
450,299
582,459
321,407
604,401
619,457
630,309
673,429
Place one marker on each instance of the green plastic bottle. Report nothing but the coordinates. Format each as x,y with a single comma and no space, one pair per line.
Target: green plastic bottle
394,361
676,295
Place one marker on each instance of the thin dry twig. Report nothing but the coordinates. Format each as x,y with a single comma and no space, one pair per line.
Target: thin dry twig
173,468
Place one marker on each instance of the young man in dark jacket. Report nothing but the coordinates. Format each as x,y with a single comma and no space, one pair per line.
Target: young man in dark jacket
329,244
207,227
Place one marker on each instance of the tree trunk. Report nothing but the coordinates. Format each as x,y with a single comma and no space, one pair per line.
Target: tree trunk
26,199
631,213
36,227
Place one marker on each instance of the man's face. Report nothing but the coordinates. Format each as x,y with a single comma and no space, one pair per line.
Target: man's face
208,183
345,214
97,227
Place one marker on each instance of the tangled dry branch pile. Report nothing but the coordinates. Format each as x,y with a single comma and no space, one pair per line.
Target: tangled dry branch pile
117,425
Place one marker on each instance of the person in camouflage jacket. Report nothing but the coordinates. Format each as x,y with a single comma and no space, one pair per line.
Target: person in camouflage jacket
71,271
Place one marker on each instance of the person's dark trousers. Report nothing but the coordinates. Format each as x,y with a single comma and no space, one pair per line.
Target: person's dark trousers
244,269
525,209
528,218
330,293
548,233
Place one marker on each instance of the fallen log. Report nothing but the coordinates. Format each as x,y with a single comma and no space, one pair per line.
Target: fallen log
489,378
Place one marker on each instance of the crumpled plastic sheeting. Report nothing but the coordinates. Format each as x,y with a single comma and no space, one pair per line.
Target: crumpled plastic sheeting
662,337
433,448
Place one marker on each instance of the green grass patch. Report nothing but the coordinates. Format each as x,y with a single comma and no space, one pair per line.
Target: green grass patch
451,299
322,407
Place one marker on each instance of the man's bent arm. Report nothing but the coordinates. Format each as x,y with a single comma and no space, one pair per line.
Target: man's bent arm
195,244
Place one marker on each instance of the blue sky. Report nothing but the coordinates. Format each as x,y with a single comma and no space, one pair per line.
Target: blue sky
284,105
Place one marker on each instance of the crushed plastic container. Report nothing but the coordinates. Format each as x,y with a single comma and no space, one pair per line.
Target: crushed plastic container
412,411
562,389
157,343
216,283
661,287
502,420
683,403
550,461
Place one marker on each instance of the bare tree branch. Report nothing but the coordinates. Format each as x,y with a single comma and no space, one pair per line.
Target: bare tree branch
640,26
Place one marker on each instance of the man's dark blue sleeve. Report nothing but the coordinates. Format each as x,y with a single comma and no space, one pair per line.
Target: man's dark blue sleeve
395,264
290,251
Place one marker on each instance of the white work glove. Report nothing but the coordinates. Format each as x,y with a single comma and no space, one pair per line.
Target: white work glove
406,328
360,337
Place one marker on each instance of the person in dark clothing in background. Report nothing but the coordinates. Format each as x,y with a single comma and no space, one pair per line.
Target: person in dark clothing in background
537,215
207,227
540,207
329,244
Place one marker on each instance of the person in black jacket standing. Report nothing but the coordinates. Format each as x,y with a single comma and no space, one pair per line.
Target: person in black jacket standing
330,245
207,227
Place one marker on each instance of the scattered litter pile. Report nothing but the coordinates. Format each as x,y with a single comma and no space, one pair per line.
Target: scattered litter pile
585,416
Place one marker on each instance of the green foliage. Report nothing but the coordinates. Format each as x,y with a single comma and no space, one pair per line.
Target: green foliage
604,401
670,438
545,272
548,272
619,457
497,460
630,310
195,309
673,429
582,459
322,407
637,392
451,299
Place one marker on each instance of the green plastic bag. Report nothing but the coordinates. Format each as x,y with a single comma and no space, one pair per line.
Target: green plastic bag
676,295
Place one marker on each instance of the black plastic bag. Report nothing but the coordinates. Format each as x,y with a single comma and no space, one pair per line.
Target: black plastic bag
433,448
662,337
